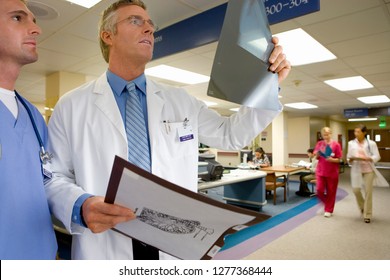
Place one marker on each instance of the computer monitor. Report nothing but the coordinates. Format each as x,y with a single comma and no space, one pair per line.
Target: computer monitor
248,153
214,168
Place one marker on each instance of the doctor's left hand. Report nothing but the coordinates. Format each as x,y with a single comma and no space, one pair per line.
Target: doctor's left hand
279,64
100,216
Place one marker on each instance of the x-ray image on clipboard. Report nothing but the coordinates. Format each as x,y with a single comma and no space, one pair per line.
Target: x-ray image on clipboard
240,69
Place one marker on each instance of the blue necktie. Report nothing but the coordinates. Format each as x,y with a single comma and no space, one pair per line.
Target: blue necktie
137,137
138,145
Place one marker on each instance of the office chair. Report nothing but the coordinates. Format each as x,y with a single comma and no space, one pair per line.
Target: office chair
272,183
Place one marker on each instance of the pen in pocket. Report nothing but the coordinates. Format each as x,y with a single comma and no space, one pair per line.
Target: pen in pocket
167,126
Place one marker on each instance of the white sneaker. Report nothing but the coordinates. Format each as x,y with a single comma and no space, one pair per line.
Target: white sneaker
327,214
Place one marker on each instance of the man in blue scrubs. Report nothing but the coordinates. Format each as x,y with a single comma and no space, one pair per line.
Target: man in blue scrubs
26,230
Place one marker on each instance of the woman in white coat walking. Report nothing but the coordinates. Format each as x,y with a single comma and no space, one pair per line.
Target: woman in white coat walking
362,154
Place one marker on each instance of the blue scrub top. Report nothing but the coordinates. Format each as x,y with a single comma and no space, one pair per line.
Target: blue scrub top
26,230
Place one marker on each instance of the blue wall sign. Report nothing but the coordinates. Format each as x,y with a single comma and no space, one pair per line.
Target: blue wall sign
206,27
356,113
190,33
281,10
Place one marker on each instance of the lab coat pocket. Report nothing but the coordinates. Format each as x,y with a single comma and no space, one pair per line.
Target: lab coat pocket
379,180
178,139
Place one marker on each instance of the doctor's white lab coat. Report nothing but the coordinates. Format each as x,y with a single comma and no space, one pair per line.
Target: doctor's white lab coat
86,131
371,150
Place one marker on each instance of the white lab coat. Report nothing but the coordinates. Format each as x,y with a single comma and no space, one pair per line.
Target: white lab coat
371,150
86,131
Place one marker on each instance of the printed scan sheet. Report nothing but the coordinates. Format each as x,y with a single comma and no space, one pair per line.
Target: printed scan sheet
177,221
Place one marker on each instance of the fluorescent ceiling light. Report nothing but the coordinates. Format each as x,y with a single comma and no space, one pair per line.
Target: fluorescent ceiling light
85,3
300,48
350,83
301,105
210,103
235,109
362,119
175,74
374,99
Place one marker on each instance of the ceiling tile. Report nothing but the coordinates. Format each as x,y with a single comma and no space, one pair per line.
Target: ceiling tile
350,26
363,45
368,59
50,61
84,27
331,10
68,44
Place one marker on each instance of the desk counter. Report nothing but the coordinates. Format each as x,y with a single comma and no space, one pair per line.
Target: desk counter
241,187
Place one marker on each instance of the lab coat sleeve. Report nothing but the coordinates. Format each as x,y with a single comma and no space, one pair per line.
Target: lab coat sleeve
375,156
350,150
236,131
61,190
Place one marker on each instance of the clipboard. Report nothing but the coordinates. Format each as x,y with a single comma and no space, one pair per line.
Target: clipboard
240,70
175,220
327,153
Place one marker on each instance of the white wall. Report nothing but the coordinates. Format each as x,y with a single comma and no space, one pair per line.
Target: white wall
299,138
339,128
316,125
299,135
264,139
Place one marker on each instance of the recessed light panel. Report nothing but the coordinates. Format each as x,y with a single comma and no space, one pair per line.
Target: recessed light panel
300,48
85,3
374,99
362,119
301,105
177,75
350,83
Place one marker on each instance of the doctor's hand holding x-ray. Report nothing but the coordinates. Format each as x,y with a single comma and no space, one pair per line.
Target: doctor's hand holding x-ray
279,63
87,130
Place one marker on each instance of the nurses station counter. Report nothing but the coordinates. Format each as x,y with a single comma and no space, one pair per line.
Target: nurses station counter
241,187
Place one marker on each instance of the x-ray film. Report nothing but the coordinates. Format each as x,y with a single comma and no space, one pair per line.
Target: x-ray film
240,69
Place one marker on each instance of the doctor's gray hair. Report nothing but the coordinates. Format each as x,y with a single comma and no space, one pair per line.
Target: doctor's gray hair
109,19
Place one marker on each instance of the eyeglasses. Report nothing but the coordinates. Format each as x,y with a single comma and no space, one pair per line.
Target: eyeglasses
139,21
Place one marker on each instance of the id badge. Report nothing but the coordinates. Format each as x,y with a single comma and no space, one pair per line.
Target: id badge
47,170
185,133
46,164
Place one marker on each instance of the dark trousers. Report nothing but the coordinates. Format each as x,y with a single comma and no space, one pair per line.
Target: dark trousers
142,251
304,179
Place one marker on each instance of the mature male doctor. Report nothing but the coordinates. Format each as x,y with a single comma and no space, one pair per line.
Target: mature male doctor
88,128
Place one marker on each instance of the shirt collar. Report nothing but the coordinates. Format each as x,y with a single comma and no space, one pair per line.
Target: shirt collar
118,84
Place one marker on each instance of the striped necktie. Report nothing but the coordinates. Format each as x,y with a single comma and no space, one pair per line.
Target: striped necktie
138,145
137,137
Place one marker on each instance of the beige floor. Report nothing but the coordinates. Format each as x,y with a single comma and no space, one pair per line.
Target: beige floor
342,237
